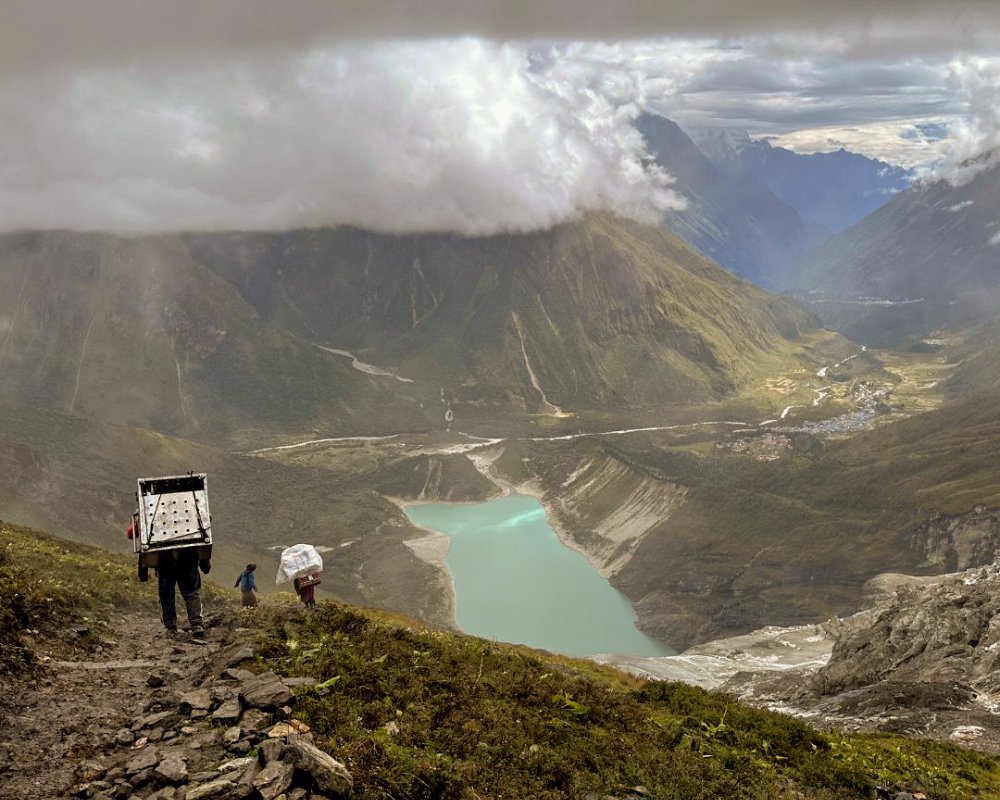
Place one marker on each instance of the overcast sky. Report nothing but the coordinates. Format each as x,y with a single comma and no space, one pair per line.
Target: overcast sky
457,115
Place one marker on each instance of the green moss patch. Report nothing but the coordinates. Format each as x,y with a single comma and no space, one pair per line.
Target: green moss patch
427,714
48,583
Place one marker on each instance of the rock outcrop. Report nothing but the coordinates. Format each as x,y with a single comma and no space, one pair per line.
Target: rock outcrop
946,632
923,661
959,541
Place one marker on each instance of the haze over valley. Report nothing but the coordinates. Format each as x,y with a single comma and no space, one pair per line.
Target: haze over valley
712,298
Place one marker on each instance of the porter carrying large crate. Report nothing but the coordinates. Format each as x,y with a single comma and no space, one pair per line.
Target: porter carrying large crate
172,513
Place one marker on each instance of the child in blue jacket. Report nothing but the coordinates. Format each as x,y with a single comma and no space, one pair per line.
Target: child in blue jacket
248,586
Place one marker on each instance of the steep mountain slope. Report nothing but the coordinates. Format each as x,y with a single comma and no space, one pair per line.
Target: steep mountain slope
922,660
215,336
943,632
133,331
600,314
977,368
733,218
832,190
929,256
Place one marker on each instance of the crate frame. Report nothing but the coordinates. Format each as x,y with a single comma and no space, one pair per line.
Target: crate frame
165,506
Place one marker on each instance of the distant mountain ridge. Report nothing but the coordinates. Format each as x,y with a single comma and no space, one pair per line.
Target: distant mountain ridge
933,251
832,190
733,218
134,331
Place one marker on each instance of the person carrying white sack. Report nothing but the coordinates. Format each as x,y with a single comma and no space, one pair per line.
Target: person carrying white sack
302,565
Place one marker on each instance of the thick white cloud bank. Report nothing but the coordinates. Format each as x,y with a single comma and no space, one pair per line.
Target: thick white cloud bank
974,138
456,135
803,93
142,116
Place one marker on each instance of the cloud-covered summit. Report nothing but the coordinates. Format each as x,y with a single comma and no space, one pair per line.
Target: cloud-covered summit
454,135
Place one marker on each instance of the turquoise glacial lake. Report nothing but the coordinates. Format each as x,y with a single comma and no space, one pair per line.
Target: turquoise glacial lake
516,582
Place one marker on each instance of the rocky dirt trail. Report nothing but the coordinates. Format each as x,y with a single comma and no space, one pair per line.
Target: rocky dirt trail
156,715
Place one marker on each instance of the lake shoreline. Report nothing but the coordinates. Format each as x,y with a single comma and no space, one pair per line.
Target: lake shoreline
533,489
430,549
515,581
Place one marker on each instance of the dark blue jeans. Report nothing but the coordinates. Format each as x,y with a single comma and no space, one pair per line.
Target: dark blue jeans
186,578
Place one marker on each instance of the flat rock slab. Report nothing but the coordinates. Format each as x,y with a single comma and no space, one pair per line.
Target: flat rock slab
151,720
241,656
221,693
255,720
236,674
198,700
236,764
266,691
228,713
212,789
146,759
270,750
172,769
206,739
274,779
330,775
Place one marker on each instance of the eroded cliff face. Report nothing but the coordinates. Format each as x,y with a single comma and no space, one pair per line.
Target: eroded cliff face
952,542
925,660
940,633
606,507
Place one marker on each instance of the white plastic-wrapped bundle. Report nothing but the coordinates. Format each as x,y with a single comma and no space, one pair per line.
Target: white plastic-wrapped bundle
298,561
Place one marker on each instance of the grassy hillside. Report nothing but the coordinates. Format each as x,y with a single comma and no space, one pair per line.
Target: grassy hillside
77,477
418,714
47,584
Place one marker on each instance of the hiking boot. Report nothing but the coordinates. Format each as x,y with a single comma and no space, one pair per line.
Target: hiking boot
197,633
172,630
